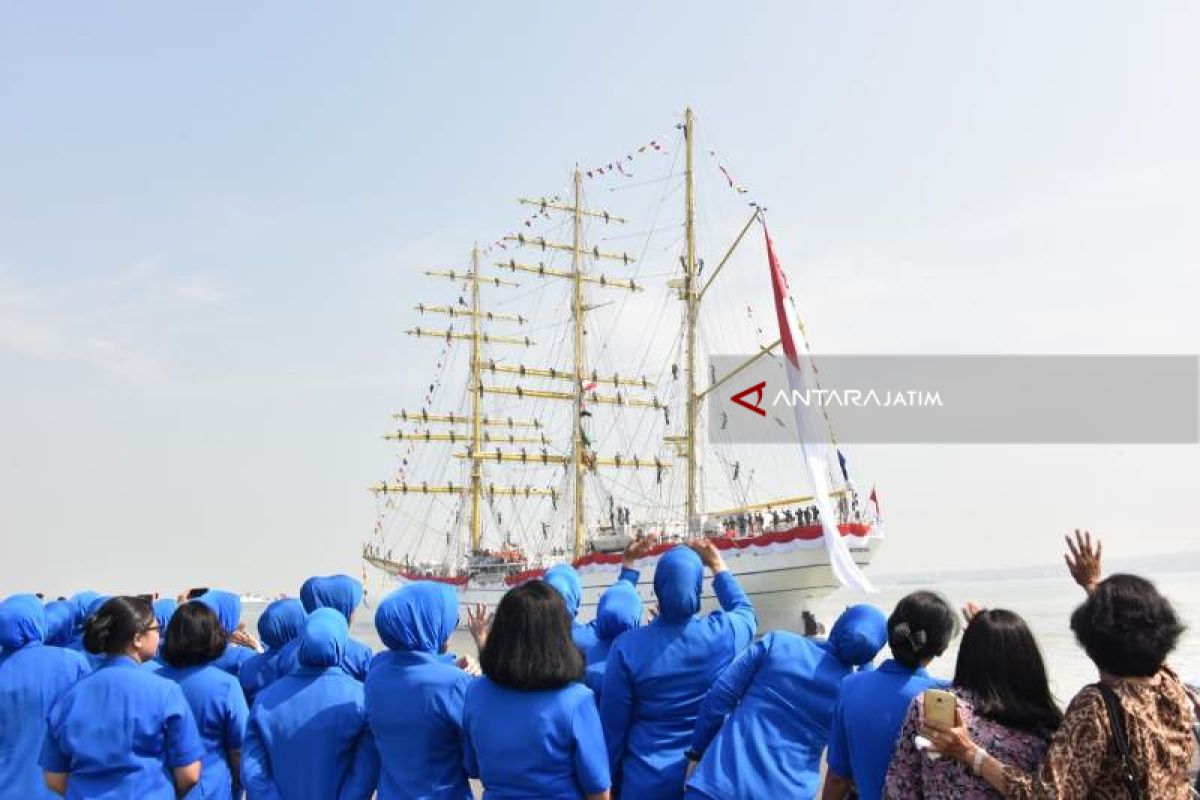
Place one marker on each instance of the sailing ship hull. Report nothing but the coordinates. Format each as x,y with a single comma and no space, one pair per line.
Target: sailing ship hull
786,571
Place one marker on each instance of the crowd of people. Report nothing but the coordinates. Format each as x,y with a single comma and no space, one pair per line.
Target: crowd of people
118,697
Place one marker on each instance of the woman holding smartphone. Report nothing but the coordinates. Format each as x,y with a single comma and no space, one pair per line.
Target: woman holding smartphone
1003,697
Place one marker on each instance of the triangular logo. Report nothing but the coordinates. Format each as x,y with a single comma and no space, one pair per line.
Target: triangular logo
757,391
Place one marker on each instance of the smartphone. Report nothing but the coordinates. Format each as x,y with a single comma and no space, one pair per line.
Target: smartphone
194,593
940,707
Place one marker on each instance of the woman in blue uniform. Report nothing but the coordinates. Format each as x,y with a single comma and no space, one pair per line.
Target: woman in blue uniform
872,706
619,610
530,727
60,623
281,622
32,676
764,723
415,696
343,594
228,608
308,737
657,675
195,640
122,731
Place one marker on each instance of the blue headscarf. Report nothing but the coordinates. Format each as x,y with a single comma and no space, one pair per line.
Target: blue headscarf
619,610
281,621
164,609
565,580
420,616
226,605
80,603
858,635
339,592
678,581
60,622
324,640
22,621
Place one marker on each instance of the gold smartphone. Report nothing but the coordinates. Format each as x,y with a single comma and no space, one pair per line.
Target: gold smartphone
940,707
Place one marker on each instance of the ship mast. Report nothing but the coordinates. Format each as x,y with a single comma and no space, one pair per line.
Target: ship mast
476,398
691,305
577,310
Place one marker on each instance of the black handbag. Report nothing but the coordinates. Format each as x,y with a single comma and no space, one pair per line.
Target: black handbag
1116,720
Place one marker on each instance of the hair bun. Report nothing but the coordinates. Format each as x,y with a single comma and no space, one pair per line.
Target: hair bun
96,630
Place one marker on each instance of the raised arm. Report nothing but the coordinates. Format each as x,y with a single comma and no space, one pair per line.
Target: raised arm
739,611
1083,560
725,695
638,548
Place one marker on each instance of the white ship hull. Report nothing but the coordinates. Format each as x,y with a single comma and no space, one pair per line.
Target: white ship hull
791,575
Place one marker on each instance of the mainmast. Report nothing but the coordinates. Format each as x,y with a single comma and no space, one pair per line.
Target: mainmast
691,304
476,402
577,437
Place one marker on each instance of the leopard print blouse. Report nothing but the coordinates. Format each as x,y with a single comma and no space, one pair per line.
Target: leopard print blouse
1082,761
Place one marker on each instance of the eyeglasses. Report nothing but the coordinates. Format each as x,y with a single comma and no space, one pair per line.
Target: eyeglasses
154,627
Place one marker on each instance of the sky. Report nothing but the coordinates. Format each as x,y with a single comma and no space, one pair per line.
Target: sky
212,219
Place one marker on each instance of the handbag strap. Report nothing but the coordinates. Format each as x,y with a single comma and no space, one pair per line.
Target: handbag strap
1116,720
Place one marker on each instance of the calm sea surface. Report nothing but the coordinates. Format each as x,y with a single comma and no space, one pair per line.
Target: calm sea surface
1045,603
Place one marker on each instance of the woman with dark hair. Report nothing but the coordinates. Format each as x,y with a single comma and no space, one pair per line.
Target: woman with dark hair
872,705
1128,735
122,731
1004,700
195,640
32,676
530,728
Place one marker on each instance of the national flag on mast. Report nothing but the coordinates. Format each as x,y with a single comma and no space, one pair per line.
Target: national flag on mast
814,452
874,498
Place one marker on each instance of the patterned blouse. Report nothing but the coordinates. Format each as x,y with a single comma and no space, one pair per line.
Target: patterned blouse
913,775
1082,761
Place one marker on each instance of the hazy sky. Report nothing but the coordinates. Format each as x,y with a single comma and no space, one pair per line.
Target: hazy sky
211,218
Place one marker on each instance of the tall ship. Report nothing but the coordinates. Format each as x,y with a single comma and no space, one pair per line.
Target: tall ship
566,413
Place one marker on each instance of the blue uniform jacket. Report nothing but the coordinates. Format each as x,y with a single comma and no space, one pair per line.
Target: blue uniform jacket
657,675
308,737
764,723
281,622
32,676
119,732
546,744
415,697
219,707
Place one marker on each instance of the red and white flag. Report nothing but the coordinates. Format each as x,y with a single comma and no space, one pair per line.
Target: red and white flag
814,451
